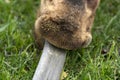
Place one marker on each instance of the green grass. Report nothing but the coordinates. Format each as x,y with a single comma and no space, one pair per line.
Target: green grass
19,57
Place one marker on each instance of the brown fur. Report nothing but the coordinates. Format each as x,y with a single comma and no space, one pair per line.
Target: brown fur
65,23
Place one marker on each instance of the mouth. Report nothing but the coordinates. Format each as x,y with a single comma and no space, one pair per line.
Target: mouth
64,34
87,41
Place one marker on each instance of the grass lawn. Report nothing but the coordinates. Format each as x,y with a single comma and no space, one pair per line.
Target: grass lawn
19,57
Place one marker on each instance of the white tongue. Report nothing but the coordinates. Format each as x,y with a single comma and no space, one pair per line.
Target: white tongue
51,63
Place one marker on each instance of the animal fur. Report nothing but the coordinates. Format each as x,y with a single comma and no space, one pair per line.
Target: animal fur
65,23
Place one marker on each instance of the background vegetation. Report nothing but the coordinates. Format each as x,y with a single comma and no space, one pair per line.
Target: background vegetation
19,57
